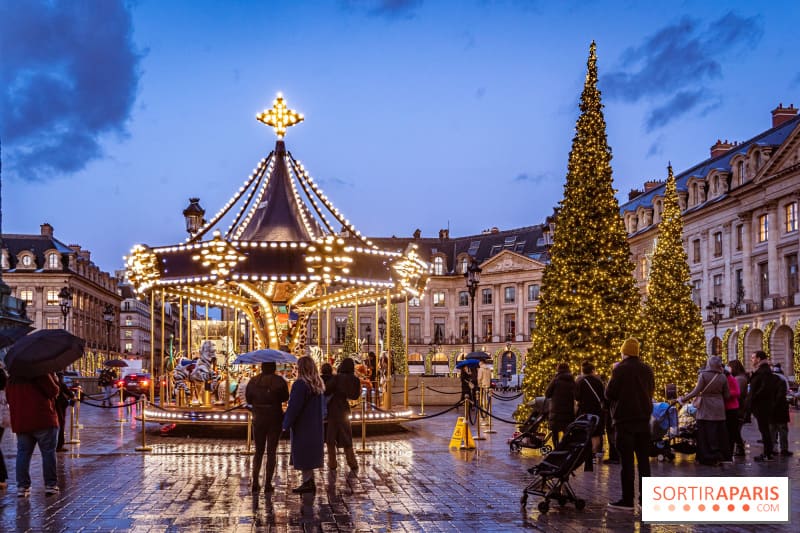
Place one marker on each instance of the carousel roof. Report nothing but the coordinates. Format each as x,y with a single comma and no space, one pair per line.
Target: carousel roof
280,247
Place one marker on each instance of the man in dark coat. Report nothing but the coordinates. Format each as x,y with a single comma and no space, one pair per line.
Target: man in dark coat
630,393
64,399
762,401
779,424
34,420
342,387
266,392
561,396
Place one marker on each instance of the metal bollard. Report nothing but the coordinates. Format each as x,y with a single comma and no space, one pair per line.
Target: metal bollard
364,448
247,450
144,447
72,425
490,401
422,397
121,411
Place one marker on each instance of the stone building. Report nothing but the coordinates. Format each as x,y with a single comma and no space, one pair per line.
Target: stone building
740,215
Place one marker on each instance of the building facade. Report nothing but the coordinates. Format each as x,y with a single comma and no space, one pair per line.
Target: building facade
740,216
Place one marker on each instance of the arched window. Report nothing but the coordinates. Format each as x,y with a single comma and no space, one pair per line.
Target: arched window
438,266
464,265
54,261
740,172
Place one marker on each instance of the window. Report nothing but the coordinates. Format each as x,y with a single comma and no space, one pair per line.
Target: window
438,266
463,298
763,228
464,265
413,302
438,298
696,297
128,321
486,327
533,293
312,331
438,330
486,296
739,236
718,286
27,261
531,323
128,347
791,275
740,171
463,328
52,322
510,327
718,244
53,261
696,250
791,217
340,326
414,330
510,295
52,297
26,295
739,286
128,334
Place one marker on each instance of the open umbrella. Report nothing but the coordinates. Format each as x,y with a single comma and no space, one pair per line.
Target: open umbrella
42,352
267,355
467,362
11,335
119,363
479,356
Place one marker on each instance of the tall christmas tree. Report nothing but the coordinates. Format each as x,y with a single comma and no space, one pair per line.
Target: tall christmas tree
398,344
673,342
589,301
350,346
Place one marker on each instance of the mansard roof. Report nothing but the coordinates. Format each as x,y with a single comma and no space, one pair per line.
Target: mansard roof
37,244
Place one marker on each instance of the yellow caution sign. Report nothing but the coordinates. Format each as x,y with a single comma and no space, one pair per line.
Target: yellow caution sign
462,436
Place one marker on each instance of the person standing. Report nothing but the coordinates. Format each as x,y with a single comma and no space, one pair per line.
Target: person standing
589,390
304,420
630,393
484,384
342,388
266,393
34,420
712,390
779,423
738,372
64,399
762,401
561,394
732,415
106,382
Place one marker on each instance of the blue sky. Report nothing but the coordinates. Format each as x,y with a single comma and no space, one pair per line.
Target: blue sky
419,114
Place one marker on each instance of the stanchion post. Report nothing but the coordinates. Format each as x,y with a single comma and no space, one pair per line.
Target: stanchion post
78,424
247,450
144,447
478,421
490,401
405,392
72,438
421,397
121,405
364,448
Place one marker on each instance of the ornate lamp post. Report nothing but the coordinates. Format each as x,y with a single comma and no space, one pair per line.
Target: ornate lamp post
108,317
714,316
194,216
65,302
473,279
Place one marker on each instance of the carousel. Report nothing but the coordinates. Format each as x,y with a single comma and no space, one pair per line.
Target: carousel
275,256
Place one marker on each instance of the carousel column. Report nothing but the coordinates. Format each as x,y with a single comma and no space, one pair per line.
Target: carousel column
161,387
152,343
387,398
189,329
206,322
379,357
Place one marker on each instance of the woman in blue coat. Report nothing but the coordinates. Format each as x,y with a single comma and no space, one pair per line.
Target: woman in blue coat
304,419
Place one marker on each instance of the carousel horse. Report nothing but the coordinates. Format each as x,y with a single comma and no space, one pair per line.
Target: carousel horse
364,374
203,375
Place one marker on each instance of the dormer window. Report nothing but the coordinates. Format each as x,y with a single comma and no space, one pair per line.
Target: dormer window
26,260
54,261
438,266
464,265
740,172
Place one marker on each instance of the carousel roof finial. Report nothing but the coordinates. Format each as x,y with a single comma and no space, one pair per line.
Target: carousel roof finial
280,117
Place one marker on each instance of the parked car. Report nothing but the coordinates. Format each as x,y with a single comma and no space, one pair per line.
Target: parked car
136,383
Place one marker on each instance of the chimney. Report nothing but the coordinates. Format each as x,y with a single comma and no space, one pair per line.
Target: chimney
633,194
75,247
652,184
444,234
495,229
417,233
783,114
46,230
721,148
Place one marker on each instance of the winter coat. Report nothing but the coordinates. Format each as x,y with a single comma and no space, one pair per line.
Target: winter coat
630,394
780,413
762,391
561,393
266,393
732,403
303,418
32,403
744,395
342,388
712,387
589,394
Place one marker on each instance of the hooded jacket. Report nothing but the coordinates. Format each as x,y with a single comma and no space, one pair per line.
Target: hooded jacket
712,387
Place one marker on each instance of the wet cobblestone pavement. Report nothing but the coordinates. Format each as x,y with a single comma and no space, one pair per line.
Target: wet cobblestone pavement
412,482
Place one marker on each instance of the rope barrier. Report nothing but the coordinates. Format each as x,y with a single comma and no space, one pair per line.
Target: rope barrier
506,398
116,406
487,413
441,392
233,408
376,408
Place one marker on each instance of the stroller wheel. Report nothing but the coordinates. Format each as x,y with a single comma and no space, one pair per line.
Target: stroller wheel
546,449
562,501
580,504
543,507
514,446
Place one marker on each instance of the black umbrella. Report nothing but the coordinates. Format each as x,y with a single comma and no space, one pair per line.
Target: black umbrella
480,356
11,335
42,352
119,363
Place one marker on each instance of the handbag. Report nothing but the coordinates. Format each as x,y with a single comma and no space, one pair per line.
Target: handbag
698,400
5,412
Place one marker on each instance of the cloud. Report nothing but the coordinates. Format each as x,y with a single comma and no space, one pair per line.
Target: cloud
678,62
334,182
69,75
390,9
535,179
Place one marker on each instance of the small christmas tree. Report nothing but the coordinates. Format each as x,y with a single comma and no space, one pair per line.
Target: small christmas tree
589,301
350,346
398,344
673,342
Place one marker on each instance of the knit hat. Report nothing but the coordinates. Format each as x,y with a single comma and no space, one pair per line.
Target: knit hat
630,347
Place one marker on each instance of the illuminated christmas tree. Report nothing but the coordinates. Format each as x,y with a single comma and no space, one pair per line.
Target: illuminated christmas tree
673,342
589,301
398,344
350,346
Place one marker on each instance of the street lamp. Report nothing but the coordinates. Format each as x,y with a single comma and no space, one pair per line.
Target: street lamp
194,216
65,302
714,316
473,279
108,317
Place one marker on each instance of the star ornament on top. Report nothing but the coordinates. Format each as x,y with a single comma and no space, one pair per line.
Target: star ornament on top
280,117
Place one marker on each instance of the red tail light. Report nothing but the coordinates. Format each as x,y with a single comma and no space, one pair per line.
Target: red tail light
143,383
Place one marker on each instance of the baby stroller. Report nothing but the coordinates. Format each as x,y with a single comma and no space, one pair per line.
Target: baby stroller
551,476
663,430
533,433
686,439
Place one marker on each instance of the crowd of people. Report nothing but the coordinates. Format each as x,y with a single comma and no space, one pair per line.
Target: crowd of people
724,398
